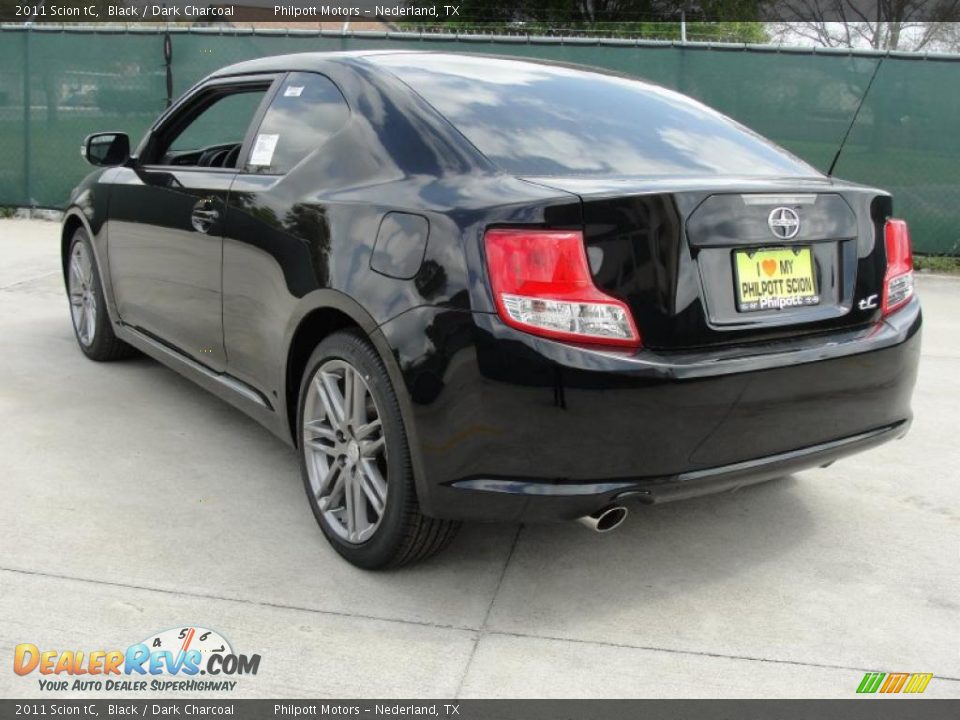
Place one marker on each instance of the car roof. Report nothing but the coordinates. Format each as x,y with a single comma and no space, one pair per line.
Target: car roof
294,61
316,61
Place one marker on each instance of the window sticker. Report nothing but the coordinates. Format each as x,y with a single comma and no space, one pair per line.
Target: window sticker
263,149
293,91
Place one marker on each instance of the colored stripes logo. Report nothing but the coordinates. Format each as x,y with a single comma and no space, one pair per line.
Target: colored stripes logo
878,682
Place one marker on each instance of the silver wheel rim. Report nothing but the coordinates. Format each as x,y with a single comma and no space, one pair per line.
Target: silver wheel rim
345,451
83,299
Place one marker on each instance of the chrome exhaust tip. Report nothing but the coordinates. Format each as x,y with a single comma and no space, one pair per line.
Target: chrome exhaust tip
605,519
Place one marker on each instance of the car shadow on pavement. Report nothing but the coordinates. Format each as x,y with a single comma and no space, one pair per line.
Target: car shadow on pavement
688,561
716,534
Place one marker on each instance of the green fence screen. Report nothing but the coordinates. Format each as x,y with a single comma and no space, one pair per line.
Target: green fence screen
58,86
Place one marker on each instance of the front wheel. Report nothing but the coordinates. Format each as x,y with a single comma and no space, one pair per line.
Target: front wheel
88,309
355,459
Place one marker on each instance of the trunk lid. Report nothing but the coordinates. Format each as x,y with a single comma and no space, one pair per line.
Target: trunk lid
720,260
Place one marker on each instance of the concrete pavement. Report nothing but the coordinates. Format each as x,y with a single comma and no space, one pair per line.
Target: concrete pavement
133,502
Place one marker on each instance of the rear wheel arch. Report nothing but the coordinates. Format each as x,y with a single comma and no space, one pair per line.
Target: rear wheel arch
324,315
316,325
358,462
331,312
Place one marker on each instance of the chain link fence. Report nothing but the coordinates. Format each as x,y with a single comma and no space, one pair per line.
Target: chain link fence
58,85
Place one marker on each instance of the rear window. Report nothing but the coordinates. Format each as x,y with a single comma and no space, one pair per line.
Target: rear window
535,119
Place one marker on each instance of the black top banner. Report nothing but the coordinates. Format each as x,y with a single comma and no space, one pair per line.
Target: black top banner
873,709
514,16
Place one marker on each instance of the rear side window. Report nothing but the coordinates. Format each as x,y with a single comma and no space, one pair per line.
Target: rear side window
533,119
307,109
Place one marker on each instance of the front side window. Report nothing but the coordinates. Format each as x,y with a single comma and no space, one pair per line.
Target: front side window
307,109
214,135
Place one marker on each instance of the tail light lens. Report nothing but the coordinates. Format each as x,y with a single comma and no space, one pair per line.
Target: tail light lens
898,280
542,285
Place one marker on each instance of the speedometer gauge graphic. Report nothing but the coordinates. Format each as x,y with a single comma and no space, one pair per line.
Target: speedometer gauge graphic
180,640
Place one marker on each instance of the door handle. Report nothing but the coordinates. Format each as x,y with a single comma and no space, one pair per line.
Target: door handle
204,215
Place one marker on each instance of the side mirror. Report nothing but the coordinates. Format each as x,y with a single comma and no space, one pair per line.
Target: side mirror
107,148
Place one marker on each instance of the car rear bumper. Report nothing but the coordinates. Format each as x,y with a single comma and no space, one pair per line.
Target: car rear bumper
505,426
535,499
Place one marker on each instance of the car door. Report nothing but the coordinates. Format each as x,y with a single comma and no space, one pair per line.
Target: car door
277,238
166,218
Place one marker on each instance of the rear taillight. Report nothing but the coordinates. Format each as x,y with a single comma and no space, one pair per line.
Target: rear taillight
542,285
898,280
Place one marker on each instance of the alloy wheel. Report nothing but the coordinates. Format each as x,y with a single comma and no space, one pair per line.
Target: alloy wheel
83,297
345,451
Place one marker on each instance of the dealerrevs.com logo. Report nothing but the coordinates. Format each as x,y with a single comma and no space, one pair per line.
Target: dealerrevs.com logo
171,660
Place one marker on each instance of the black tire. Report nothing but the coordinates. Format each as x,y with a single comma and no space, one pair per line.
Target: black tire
404,534
104,345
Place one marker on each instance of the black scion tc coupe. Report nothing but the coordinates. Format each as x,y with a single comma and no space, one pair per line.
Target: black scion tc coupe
480,288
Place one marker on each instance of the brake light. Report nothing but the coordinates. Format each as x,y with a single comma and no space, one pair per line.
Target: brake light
542,285
898,280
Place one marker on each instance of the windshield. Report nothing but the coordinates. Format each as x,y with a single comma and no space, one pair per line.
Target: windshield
533,119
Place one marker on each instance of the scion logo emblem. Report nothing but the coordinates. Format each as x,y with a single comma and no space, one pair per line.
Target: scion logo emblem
784,223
